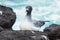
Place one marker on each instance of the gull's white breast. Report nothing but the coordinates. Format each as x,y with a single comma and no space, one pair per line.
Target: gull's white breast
28,25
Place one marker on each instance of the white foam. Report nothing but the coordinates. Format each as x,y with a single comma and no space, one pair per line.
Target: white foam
1,12
46,38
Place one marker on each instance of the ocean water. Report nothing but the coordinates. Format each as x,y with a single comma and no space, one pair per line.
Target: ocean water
45,10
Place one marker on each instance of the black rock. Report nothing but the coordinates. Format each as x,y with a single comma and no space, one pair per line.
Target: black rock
53,31
22,35
7,17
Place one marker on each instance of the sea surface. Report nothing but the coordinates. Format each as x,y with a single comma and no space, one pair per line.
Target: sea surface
44,10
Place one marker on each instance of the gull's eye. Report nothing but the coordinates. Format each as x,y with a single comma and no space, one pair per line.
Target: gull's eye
0,12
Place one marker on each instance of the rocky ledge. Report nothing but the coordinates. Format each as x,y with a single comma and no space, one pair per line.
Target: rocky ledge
22,35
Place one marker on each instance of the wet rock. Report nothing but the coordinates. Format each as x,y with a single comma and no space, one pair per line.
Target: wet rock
7,17
21,35
53,31
1,29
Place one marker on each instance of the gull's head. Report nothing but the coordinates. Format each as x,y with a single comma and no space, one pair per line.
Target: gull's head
28,8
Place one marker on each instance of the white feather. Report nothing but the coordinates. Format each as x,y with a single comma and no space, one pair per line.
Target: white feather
28,25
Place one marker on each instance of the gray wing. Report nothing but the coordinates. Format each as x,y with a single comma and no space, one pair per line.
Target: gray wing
39,23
